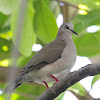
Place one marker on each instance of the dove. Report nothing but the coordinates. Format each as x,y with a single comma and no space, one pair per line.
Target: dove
52,62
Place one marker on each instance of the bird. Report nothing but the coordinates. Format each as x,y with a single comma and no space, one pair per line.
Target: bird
52,62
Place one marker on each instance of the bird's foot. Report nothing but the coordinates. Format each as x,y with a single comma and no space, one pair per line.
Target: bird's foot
46,84
54,78
53,83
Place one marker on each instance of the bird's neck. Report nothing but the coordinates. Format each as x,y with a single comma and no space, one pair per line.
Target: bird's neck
63,36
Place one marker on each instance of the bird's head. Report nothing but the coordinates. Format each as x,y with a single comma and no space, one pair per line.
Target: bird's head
68,28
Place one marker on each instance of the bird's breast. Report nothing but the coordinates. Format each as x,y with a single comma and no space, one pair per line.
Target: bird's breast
68,57
69,52
66,61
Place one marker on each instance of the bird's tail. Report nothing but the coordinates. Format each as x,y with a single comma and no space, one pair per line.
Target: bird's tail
12,86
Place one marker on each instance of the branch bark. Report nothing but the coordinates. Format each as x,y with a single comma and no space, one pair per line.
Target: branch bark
97,99
71,5
65,12
69,80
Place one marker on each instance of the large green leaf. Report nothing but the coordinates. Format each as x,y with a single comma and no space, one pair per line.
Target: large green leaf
78,88
23,92
8,6
31,89
95,79
92,4
81,22
27,38
88,44
44,22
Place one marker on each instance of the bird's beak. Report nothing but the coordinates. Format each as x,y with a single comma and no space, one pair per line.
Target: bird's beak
74,32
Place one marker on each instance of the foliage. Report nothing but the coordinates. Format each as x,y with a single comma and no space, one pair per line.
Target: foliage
46,31
77,88
27,37
88,45
39,26
8,6
95,79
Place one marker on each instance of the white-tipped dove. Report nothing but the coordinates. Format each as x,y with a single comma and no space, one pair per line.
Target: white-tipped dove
52,62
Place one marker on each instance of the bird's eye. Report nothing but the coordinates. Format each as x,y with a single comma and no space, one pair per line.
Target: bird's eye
66,27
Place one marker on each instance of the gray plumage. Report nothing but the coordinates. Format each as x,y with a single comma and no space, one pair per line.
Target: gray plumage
56,58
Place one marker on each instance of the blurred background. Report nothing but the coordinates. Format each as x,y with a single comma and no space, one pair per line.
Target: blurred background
27,25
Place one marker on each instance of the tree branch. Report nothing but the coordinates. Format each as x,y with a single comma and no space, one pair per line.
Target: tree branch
69,80
65,12
71,5
97,99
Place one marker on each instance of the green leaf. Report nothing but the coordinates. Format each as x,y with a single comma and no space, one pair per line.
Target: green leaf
77,88
81,22
92,4
5,48
15,96
3,21
44,22
1,97
3,18
8,6
2,88
31,89
60,96
22,61
27,38
7,35
88,44
95,79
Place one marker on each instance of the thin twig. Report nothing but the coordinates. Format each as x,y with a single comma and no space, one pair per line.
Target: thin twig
70,4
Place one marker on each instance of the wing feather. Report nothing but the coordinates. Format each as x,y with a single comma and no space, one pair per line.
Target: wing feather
48,54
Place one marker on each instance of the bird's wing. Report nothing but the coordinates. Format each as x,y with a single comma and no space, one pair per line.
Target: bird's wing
48,54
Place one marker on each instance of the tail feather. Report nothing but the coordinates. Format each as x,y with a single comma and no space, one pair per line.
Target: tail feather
14,85
11,87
